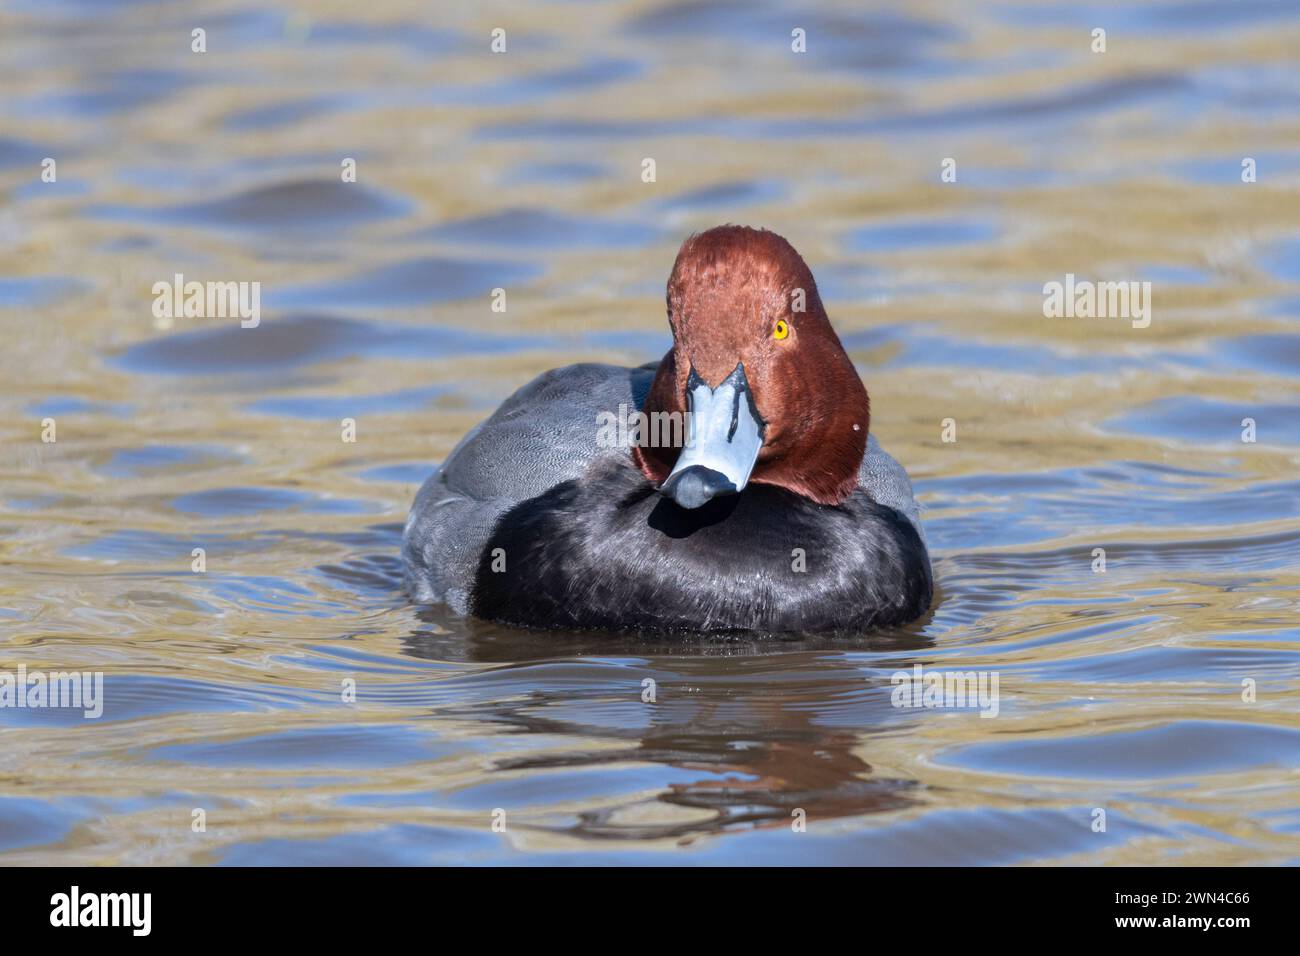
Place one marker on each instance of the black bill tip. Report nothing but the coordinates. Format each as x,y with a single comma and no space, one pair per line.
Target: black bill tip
697,485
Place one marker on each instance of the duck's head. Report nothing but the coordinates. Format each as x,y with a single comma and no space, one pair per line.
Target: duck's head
771,395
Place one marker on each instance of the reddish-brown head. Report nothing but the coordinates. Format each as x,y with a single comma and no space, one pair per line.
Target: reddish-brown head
742,299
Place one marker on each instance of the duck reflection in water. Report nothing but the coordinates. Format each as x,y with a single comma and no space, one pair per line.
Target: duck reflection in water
762,728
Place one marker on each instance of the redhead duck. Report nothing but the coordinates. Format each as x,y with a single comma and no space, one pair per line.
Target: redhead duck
773,510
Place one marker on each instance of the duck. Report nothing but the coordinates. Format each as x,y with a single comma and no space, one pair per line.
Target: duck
746,493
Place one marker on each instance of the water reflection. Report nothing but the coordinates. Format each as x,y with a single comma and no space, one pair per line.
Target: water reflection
289,688
756,729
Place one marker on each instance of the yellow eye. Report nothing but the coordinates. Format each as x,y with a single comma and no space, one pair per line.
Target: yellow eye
782,329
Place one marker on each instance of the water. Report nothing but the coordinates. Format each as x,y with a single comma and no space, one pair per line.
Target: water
1120,691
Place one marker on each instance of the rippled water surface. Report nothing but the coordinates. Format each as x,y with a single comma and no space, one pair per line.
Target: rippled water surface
1120,690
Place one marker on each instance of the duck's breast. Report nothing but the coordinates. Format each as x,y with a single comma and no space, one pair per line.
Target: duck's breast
608,551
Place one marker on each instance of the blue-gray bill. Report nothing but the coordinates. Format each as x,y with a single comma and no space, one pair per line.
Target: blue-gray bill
724,437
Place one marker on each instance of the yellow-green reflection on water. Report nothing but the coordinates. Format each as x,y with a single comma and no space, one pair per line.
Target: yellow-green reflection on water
1121,691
